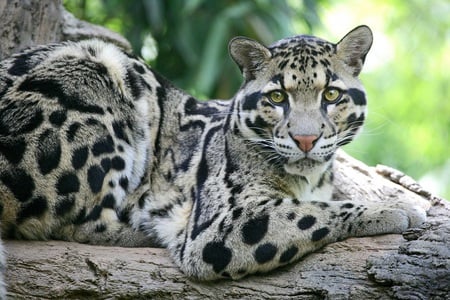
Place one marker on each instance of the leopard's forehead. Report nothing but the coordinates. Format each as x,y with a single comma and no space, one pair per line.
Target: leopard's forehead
301,44
306,59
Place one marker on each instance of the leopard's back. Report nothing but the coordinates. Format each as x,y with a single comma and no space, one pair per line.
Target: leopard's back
74,136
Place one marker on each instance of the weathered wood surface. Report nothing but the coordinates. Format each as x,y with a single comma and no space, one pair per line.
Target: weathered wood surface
381,267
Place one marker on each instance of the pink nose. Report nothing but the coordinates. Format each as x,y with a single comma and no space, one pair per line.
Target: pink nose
305,142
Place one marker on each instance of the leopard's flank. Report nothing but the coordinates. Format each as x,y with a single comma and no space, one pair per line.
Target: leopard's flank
96,147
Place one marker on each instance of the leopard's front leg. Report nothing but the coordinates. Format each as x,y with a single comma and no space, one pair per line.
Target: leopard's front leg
270,233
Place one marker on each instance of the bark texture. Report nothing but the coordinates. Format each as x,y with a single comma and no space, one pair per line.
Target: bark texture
413,266
24,23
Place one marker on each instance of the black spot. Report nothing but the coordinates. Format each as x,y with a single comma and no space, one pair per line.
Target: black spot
58,117
20,183
119,131
106,164
258,126
250,102
200,227
22,64
91,51
202,176
72,131
216,254
104,145
254,230
64,204
195,107
94,123
321,181
12,148
306,222
53,89
133,81
190,106
358,96
288,254
237,188
351,118
123,182
118,163
108,201
265,253
7,83
345,216
237,212
79,157
95,213
67,183
291,216
124,216
35,208
141,201
48,151
100,228
278,79
19,120
140,69
322,205
347,205
95,177
161,96
202,172
278,202
260,122
283,64
319,234
80,217
350,228
162,213
263,202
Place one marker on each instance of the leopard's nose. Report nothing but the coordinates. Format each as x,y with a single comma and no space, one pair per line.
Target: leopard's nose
305,142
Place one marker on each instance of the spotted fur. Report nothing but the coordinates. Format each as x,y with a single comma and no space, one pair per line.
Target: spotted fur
96,147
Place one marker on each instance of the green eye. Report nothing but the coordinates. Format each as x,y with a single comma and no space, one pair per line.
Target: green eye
277,96
331,94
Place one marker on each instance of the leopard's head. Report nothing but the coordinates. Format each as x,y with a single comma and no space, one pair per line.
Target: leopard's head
301,98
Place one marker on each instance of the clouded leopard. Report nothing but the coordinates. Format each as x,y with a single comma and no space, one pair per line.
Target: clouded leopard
96,147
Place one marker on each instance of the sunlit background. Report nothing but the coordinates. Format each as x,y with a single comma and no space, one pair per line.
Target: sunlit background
406,73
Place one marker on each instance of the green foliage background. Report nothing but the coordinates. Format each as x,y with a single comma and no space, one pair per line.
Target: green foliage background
406,76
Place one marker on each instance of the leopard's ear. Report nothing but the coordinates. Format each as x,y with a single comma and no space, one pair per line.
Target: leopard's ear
249,55
353,48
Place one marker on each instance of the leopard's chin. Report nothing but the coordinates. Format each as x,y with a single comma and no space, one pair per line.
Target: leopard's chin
305,167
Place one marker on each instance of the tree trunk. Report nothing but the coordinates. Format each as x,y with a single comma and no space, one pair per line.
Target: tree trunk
413,266
24,23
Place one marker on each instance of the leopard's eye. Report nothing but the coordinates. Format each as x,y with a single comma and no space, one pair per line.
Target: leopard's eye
331,94
277,96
